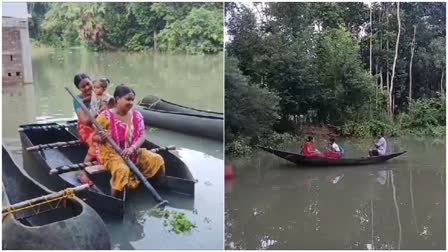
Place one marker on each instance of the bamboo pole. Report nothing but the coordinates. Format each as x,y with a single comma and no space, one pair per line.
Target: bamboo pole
53,145
69,192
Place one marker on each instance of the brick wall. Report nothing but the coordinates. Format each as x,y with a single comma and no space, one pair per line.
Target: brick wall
12,69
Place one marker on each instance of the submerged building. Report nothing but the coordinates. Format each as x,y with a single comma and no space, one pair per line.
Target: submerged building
16,49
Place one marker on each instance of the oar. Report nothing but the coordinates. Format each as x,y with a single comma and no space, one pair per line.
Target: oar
117,149
67,192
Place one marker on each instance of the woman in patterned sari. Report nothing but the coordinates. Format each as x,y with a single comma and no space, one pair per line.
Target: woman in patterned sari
84,126
127,129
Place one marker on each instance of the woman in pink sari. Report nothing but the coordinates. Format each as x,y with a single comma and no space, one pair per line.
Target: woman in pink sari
127,129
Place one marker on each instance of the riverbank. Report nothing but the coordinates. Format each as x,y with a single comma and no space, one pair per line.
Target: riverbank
242,147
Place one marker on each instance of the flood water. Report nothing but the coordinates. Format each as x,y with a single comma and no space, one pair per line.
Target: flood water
272,204
195,81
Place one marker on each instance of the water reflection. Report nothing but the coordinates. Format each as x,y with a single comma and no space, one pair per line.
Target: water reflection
363,207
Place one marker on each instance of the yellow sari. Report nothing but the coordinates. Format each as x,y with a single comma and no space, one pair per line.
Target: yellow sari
125,135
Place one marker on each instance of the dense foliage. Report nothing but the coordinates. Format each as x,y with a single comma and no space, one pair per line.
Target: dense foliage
258,115
193,28
316,58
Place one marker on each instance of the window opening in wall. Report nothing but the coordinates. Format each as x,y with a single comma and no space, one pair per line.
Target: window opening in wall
17,73
12,58
9,74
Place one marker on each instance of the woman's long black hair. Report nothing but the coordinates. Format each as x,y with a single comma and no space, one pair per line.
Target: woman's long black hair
122,90
79,77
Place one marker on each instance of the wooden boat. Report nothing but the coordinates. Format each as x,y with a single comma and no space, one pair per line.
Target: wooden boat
166,115
196,125
320,161
73,225
157,103
178,177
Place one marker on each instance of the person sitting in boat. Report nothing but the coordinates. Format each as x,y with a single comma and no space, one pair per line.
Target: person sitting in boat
380,146
333,151
85,128
126,127
101,99
308,150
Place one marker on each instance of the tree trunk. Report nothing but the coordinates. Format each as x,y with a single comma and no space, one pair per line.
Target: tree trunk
391,112
387,79
441,85
410,65
376,86
371,34
154,34
387,59
381,80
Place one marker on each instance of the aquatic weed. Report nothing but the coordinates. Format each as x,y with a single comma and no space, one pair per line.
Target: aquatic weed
178,221
180,224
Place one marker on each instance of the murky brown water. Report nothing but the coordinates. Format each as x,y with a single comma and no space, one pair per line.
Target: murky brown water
195,81
272,204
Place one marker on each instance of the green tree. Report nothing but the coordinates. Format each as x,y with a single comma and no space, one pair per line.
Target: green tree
193,28
328,61
37,11
199,32
347,88
251,111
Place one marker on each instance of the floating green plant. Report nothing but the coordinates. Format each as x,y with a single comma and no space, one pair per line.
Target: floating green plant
180,224
178,221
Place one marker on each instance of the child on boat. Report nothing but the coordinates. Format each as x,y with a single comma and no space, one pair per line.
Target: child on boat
308,150
101,99
333,151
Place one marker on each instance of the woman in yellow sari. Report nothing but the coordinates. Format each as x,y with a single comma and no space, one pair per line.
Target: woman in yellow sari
127,129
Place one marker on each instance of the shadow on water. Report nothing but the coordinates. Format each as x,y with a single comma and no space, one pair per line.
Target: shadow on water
272,204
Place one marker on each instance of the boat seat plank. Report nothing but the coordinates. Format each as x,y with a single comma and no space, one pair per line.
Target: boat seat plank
95,169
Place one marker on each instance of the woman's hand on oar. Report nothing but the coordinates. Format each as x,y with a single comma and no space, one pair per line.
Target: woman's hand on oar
101,136
104,134
127,152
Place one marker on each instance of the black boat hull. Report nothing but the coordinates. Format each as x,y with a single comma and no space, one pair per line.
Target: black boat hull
197,125
157,103
75,226
178,179
53,158
319,161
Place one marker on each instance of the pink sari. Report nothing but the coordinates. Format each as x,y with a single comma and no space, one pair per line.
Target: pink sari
125,134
